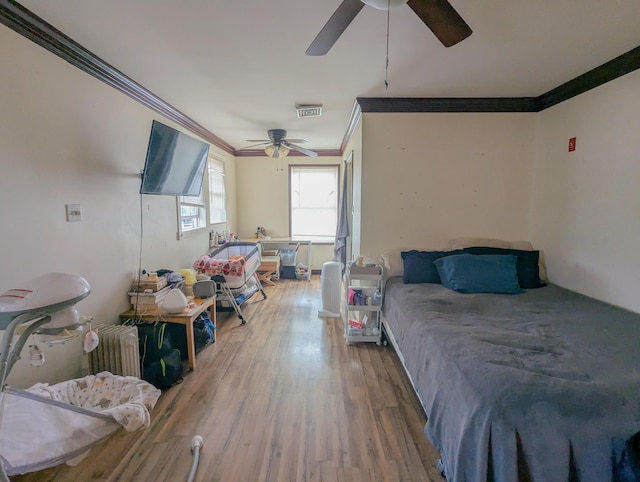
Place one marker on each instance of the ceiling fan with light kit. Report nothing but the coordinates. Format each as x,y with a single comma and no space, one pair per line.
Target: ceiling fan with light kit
438,15
279,146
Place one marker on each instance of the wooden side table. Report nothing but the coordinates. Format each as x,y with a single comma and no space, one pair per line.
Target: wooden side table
186,318
269,269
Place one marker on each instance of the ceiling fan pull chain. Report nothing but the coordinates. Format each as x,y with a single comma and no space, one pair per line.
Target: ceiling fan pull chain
386,68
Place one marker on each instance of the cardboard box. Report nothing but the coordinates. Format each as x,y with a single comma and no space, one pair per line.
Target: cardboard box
149,284
150,298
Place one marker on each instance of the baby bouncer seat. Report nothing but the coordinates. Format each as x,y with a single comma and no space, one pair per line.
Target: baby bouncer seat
44,426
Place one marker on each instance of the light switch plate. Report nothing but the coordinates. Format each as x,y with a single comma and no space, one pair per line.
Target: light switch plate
74,213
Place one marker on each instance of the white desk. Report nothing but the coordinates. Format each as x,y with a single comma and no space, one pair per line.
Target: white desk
285,243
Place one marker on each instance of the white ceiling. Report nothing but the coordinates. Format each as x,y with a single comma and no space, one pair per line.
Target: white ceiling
238,67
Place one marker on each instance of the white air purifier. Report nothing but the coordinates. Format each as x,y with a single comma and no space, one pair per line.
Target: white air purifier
330,284
175,301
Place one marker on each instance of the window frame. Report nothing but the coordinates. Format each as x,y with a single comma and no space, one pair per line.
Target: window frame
202,202
292,169
198,202
212,164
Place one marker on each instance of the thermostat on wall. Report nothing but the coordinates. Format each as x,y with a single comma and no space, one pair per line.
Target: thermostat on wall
74,213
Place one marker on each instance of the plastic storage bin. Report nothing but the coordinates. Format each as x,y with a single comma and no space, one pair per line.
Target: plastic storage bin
288,272
302,272
288,257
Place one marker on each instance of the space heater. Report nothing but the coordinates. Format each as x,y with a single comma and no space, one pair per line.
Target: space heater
118,351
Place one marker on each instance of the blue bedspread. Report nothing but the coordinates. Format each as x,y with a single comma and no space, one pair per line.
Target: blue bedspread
543,384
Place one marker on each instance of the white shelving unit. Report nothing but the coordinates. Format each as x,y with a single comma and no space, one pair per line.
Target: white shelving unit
361,312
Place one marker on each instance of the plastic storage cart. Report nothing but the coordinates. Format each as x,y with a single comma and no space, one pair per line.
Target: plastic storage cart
288,263
363,303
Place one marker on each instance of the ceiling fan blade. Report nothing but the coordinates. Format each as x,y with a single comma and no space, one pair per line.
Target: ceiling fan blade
442,19
298,141
334,27
300,149
259,143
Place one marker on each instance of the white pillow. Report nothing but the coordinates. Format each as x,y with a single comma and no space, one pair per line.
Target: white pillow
461,243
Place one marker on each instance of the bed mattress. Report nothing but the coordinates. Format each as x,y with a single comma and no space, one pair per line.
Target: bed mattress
538,385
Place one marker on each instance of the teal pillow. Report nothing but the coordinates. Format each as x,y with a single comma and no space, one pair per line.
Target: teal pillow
470,273
527,266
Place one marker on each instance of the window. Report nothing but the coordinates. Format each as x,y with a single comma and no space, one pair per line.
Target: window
313,199
193,209
192,212
217,203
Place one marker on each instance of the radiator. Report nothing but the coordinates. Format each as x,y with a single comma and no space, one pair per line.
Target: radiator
117,352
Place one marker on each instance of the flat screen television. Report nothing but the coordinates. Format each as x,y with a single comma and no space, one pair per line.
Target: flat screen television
175,163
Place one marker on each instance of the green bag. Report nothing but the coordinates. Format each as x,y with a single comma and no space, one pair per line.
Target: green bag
154,342
161,360
165,372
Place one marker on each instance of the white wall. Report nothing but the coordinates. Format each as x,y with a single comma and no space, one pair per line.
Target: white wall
586,203
430,177
425,178
354,148
66,137
263,199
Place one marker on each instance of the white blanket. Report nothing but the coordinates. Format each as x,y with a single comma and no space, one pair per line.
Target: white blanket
128,400
47,425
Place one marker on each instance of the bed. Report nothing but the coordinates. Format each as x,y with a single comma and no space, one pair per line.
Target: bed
540,385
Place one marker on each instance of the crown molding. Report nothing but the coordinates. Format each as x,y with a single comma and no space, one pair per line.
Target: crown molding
443,104
621,65
292,153
29,25
354,118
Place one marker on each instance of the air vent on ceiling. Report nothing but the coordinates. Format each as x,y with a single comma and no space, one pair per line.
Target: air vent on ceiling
309,110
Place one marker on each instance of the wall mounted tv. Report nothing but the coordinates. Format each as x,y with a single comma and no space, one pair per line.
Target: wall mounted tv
175,163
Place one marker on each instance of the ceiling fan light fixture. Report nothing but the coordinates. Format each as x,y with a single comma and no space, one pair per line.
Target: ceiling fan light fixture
283,151
384,4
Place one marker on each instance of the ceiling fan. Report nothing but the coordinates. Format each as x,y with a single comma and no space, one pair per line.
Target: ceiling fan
279,146
441,18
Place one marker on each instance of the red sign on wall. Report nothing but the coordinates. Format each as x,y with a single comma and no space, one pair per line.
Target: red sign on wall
572,144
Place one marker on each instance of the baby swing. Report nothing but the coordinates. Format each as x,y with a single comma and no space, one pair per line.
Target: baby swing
45,426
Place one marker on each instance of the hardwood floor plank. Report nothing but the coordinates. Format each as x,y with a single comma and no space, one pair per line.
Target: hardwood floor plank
282,398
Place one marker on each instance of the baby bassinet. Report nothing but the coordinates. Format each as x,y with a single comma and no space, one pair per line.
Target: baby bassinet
233,267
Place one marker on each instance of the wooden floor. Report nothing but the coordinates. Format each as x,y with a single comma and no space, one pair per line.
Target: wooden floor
282,398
